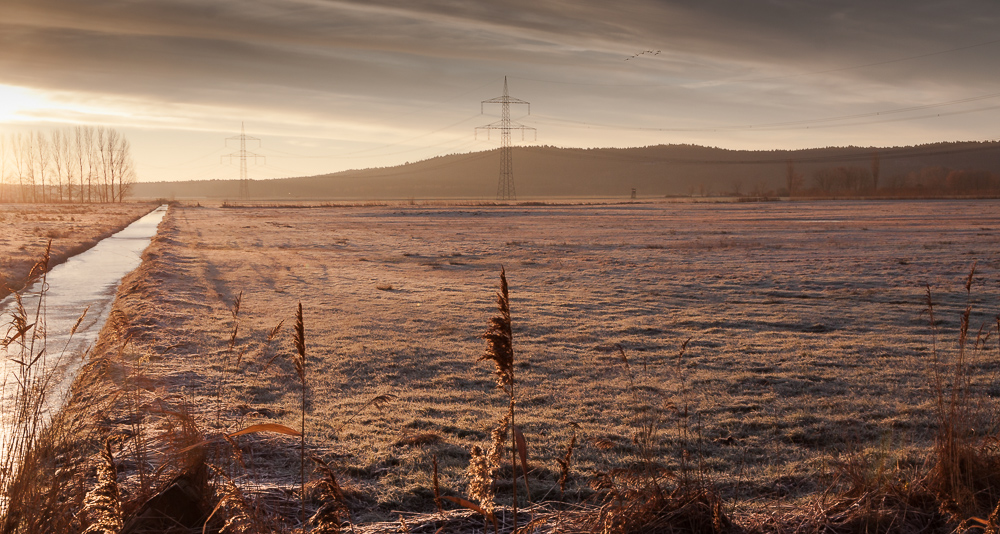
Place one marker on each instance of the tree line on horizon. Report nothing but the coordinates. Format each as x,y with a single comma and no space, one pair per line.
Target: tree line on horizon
79,164
857,180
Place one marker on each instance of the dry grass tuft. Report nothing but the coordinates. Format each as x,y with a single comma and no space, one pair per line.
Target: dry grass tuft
241,516
879,499
966,464
630,507
418,440
330,516
564,464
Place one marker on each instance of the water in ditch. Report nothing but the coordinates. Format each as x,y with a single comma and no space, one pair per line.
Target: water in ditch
53,349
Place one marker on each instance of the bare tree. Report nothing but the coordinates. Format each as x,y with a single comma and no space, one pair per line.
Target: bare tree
847,179
876,167
58,163
28,161
124,167
15,153
79,154
86,164
43,156
113,139
67,156
793,181
103,164
89,148
737,187
3,166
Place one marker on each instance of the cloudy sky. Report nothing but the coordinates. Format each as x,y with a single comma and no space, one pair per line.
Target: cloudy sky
329,85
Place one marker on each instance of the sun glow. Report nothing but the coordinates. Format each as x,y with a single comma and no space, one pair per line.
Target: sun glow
17,102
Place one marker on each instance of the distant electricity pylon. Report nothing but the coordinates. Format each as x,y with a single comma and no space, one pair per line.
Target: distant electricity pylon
242,154
505,188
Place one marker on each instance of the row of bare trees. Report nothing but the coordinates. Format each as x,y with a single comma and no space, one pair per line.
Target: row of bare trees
80,164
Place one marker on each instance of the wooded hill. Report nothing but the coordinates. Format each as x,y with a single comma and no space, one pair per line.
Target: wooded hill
655,171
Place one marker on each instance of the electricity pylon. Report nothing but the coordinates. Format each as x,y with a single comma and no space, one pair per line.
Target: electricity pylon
243,154
505,188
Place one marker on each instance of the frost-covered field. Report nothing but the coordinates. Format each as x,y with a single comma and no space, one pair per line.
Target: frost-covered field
804,321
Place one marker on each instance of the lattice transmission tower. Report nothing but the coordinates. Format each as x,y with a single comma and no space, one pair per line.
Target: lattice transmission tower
505,187
243,155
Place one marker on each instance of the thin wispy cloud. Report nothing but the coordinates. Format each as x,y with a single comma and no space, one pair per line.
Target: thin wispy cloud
353,76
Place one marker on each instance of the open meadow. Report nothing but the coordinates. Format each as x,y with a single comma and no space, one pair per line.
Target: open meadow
760,348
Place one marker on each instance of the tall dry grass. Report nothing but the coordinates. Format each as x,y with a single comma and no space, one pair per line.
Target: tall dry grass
966,461
133,477
40,469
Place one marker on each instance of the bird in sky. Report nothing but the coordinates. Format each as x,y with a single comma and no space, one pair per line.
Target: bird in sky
650,52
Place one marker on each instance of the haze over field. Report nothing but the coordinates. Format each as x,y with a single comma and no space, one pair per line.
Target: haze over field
331,86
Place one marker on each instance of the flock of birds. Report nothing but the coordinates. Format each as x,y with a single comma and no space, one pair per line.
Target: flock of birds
644,52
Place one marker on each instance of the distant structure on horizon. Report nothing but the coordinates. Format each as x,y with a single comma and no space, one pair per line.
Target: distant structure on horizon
505,187
242,154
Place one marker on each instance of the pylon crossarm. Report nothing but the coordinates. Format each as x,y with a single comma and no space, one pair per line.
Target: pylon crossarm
505,187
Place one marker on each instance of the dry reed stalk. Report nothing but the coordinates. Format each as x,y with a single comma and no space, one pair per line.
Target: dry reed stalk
234,312
564,464
649,424
102,506
379,402
966,471
132,393
437,487
271,336
25,460
299,359
500,350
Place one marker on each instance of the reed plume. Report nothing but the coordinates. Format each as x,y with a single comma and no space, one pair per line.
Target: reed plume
500,339
481,480
102,506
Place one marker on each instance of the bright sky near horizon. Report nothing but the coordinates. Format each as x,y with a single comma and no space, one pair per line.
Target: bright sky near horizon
331,85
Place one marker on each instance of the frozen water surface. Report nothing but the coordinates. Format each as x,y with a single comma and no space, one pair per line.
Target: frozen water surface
85,282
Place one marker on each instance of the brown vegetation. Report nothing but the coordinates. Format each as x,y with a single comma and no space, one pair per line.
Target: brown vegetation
624,429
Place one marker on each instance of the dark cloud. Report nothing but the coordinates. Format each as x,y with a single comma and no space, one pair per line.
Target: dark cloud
452,35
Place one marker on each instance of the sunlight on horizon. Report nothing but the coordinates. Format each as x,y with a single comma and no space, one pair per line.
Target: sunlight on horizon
15,101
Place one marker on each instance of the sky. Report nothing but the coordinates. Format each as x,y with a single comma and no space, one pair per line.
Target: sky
331,85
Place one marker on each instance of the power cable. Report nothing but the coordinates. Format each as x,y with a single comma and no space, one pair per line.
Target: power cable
787,124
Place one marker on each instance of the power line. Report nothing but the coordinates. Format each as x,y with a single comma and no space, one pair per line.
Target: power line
793,125
354,154
243,154
505,187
